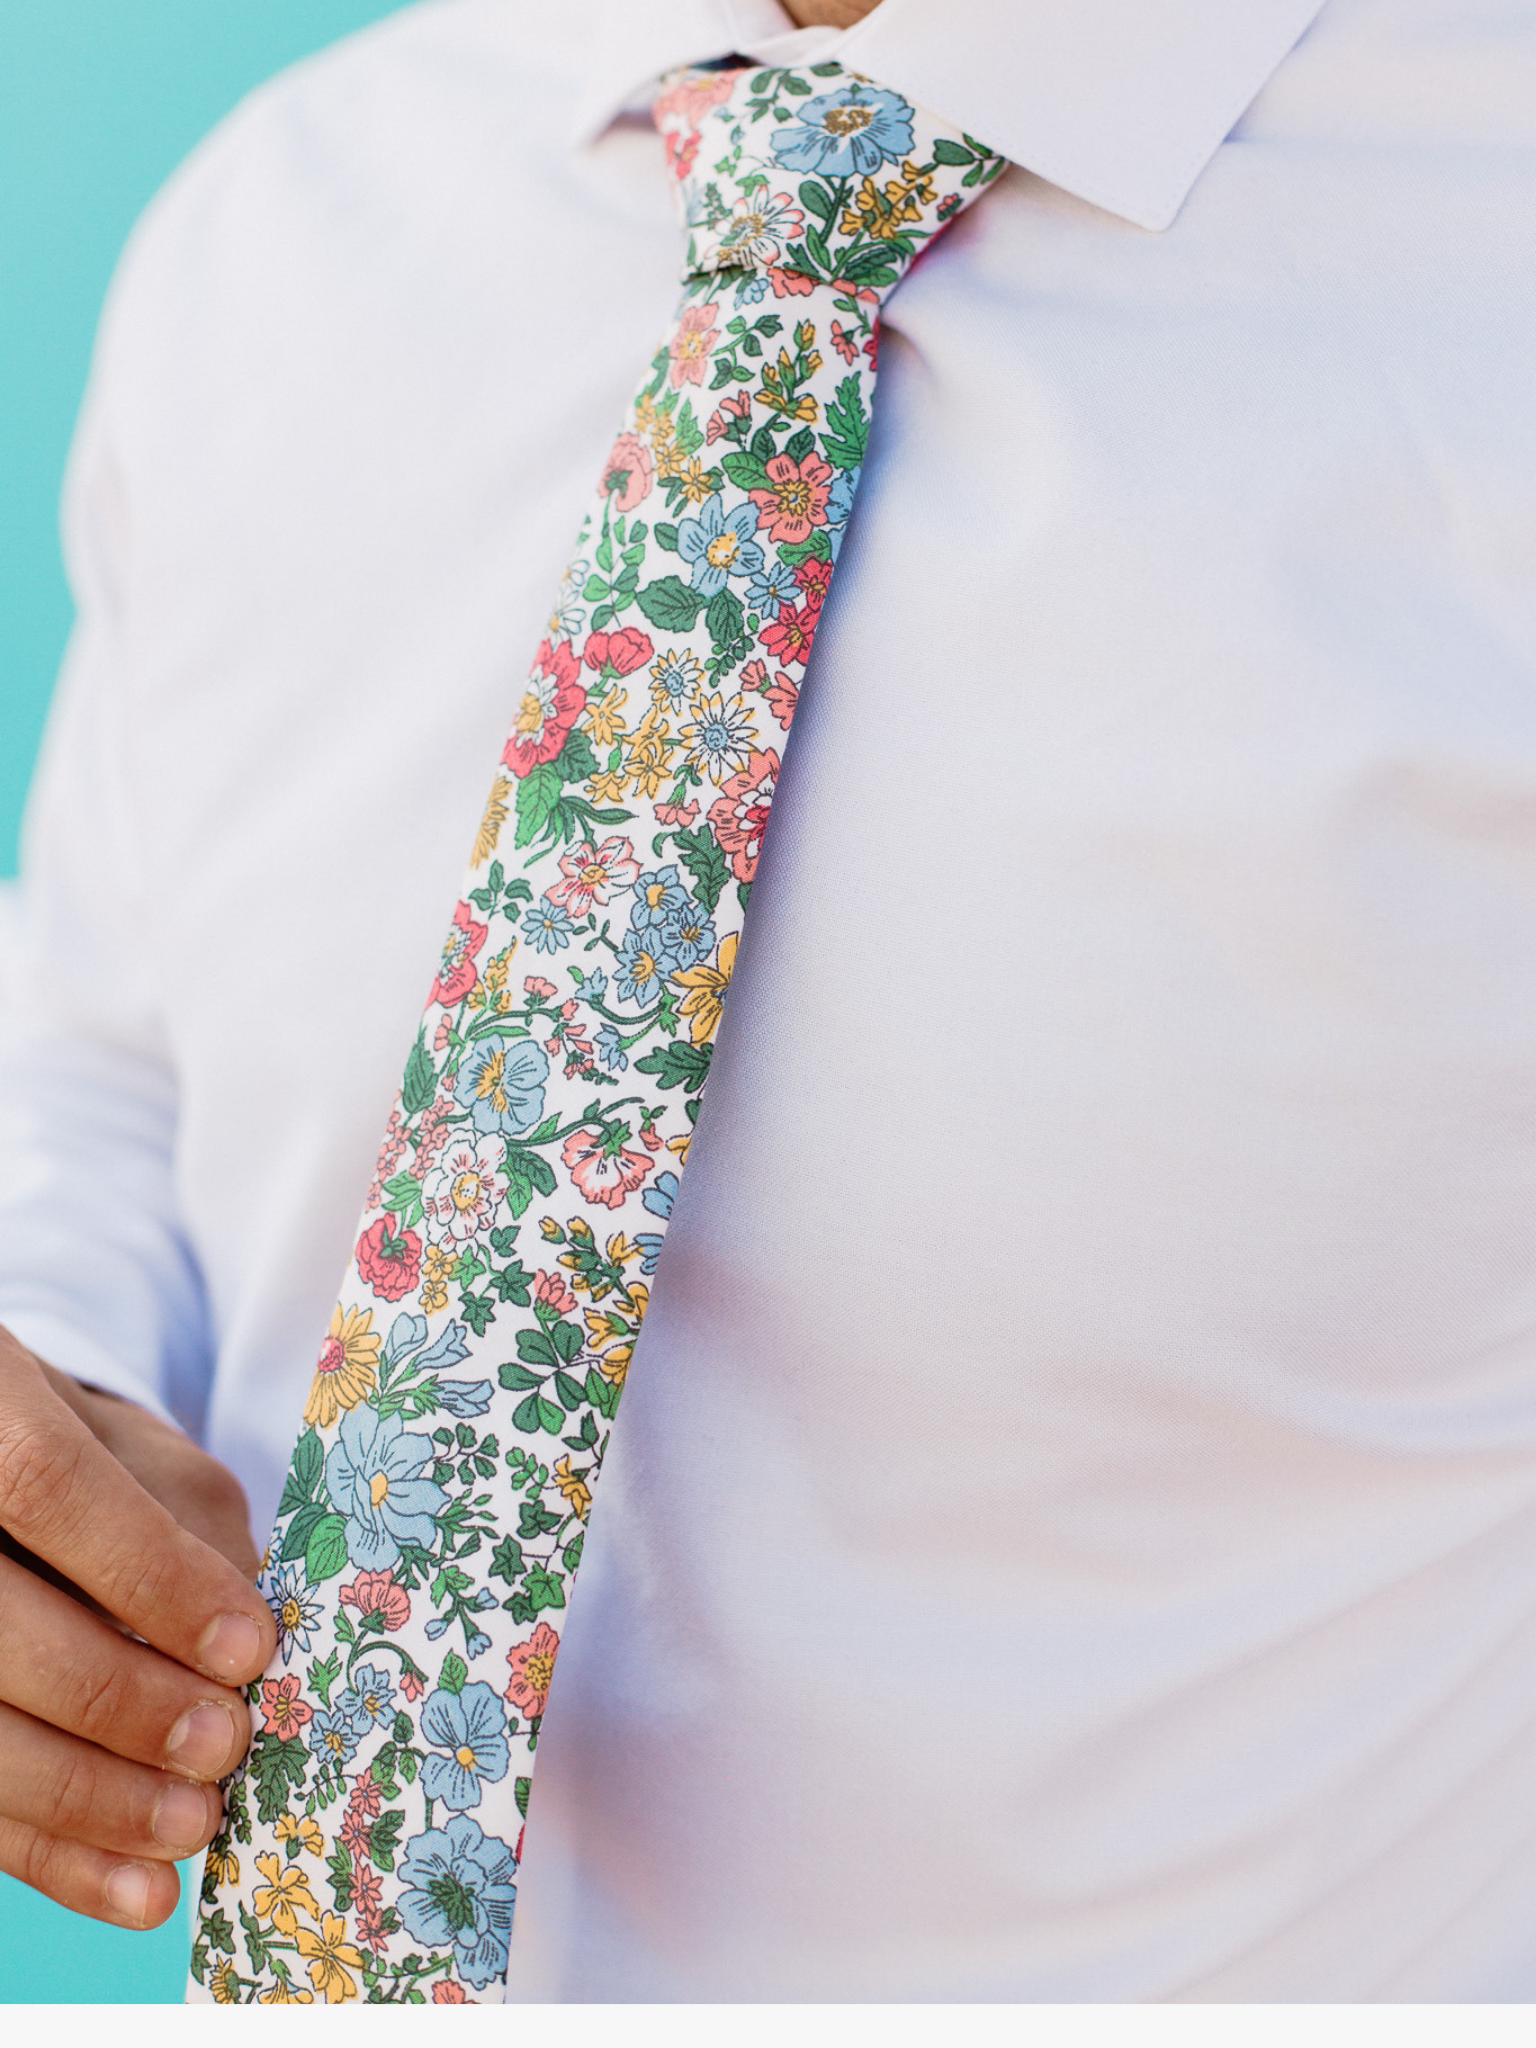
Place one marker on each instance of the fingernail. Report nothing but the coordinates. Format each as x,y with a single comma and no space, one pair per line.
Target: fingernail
230,1648
181,1818
127,1892
203,1740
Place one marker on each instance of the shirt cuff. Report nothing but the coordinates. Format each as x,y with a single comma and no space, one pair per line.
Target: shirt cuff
68,1349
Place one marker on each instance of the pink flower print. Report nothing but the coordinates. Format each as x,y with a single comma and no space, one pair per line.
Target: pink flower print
283,1713
537,987
377,1593
790,639
600,1167
368,1903
618,653
692,98
628,472
591,872
413,1685
432,1134
689,348
844,342
457,972
553,699
389,1259
533,1667
781,697
444,1993
462,1193
681,151
553,1292
737,407
678,814
794,500
739,814
790,283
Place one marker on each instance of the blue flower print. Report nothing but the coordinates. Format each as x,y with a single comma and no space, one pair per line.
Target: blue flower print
595,987
658,896
751,290
295,1610
658,1198
776,585
368,1700
461,1399
687,937
855,129
501,1084
374,1472
719,544
334,1736
641,967
472,1726
546,927
610,1048
840,497
458,1889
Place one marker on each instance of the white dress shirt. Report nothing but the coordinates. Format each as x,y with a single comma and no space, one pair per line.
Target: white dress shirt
1071,1533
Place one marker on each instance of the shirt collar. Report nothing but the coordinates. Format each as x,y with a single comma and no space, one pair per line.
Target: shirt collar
1122,102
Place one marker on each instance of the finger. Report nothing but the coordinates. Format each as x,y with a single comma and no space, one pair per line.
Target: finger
201,1494
126,1893
67,1788
66,1498
63,1665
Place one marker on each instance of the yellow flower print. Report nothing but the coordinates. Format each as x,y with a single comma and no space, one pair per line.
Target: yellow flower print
296,1834
348,1368
224,1984
495,817
573,1489
550,1230
605,718
706,986
284,1993
490,991
697,484
438,1269
607,786
331,1958
284,1896
223,1866
620,1252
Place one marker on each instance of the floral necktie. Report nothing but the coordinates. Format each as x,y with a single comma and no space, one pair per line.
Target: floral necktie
433,1519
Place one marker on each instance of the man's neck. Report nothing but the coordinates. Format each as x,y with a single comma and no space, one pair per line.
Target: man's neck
828,13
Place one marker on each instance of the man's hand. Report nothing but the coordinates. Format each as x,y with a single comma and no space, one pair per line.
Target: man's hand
113,1526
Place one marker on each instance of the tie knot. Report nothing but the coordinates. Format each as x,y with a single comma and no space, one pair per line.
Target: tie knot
812,177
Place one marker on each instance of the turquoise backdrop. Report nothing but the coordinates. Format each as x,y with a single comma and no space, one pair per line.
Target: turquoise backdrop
99,99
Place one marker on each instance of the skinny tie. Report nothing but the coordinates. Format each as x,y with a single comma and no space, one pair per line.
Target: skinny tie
429,1534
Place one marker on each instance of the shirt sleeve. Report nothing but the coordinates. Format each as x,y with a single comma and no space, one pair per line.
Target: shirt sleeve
96,1272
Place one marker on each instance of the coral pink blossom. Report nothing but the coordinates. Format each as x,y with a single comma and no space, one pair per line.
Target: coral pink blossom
737,407
678,814
533,1666
444,1993
790,283
651,1138
283,1713
553,1292
368,1904
691,100
537,987
604,1176
591,871
413,1685
815,579
619,653
377,1593
627,472
844,342
740,813
794,500
781,697
553,700
790,639
389,1258
457,973
689,348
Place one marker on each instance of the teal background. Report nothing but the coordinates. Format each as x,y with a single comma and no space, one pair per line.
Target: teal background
99,99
